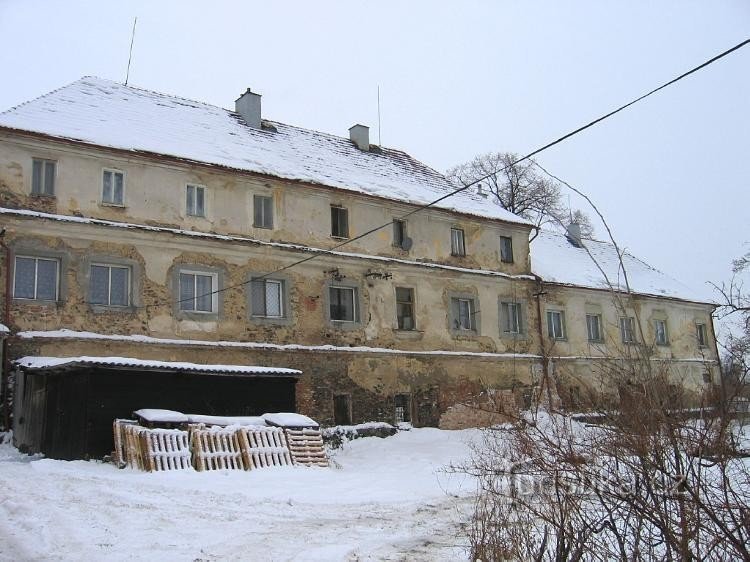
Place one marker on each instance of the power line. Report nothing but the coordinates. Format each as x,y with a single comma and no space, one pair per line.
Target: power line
474,182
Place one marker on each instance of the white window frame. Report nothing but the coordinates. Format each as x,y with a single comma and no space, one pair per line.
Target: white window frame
551,331
265,223
113,171
589,335
45,191
280,284
194,202
458,242
506,317
665,332
109,266
355,296
214,291
627,329
37,259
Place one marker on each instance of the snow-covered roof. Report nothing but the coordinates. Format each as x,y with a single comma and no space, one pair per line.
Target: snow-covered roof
289,419
109,114
556,260
50,363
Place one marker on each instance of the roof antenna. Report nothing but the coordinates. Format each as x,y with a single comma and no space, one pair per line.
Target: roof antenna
130,55
379,143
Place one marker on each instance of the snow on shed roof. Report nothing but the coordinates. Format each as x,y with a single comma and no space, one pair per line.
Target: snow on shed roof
4,331
556,260
51,363
110,114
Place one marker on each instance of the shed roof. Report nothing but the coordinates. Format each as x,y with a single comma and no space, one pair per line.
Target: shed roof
31,363
109,114
556,260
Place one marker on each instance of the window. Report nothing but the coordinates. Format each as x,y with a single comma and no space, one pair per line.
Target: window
464,314
195,201
43,176
506,249
36,278
627,329
700,334
267,296
113,185
197,291
399,233
594,327
405,308
660,332
343,304
339,222
510,317
458,247
110,285
556,324
262,211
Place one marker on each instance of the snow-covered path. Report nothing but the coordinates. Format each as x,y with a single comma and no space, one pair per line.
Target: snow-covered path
389,499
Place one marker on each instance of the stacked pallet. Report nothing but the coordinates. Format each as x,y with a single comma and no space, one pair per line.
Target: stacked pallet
306,446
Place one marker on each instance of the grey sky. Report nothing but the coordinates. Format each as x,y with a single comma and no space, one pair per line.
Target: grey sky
671,174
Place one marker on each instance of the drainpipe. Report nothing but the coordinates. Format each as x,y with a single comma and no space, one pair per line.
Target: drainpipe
4,395
542,349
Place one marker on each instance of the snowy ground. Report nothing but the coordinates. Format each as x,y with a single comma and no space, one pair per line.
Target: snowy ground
385,499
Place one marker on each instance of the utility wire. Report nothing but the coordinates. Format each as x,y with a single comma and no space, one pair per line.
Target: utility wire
476,181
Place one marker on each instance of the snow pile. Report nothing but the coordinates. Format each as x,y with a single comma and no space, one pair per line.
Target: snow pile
391,499
110,114
556,260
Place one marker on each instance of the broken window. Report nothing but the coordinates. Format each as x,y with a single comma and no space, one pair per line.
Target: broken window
405,308
113,187
510,317
109,285
594,327
458,246
506,249
43,176
262,211
36,278
343,304
267,297
339,222
195,201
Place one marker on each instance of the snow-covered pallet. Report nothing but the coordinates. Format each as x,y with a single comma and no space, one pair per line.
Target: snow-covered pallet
166,449
217,449
264,446
306,446
120,454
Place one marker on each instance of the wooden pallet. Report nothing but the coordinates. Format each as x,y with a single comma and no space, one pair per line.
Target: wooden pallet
306,446
216,449
119,455
264,447
165,449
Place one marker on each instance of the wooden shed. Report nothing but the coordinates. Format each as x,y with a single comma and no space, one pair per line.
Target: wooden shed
64,406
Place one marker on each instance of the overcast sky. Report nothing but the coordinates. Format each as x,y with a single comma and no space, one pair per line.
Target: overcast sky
457,78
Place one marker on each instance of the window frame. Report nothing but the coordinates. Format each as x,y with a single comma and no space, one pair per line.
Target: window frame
216,286
458,242
399,233
454,313
128,291
355,304
701,334
503,254
102,200
43,177
550,325
520,318
267,204
599,327
631,329
339,210
281,305
37,258
194,213
411,304
665,342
